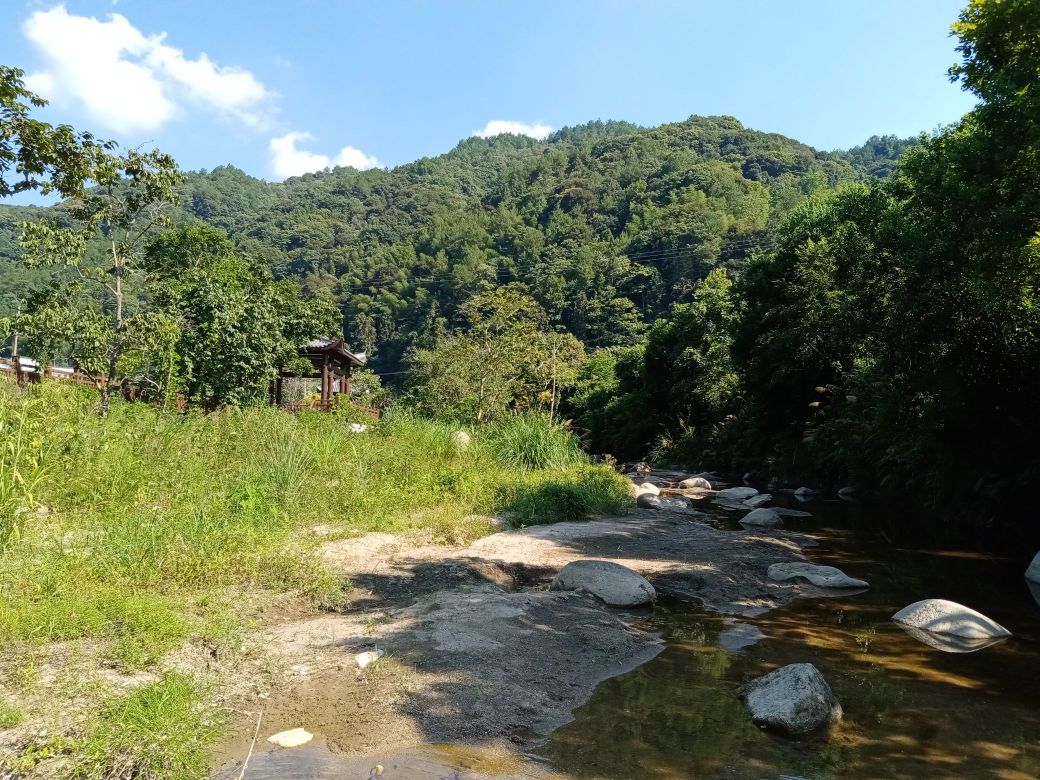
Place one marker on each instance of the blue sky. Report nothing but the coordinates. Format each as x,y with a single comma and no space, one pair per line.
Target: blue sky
280,88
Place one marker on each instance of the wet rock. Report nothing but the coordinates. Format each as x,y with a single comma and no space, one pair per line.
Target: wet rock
762,518
821,576
948,643
461,440
740,635
847,492
649,487
804,492
694,483
290,739
785,512
1033,572
615,584
648,501
737,493
368,657
795,700
757,501
939,616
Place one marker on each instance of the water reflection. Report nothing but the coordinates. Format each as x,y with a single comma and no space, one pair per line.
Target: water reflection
912,710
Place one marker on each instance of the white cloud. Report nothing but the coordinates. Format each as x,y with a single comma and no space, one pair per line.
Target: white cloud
502,126
131,82
287,160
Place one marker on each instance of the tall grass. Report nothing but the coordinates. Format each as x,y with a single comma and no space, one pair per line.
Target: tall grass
154,521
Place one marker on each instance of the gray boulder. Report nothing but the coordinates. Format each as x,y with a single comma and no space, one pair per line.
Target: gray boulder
785,512
648,501
1033,572
695,483
615,584
795,700
804,492
762,518
939,616
760,500
737,493
821,576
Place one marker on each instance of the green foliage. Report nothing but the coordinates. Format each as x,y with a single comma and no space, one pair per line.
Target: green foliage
569,497
531,442
155,732
10,714
236,326
35,155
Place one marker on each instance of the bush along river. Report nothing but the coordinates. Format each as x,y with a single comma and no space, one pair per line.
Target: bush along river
911,708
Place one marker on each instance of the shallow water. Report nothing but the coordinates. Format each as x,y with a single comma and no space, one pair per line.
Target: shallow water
911,711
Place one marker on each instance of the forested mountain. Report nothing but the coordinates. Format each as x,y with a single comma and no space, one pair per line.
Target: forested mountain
606,225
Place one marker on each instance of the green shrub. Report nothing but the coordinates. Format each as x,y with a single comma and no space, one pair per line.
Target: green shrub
154,732
571,496
533,441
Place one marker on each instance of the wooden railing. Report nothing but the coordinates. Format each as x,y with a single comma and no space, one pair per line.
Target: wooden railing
328,406
25,370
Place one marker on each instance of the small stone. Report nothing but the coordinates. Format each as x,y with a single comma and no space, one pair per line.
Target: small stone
611,582
648,501
762,518
804,492
794,699
738,493
821,576
695,483
757,501
461,439
368,657
290,739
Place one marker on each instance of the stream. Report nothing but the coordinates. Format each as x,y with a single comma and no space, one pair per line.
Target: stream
911,710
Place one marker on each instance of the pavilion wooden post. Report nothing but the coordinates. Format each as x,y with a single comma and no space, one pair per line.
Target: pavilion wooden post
326,382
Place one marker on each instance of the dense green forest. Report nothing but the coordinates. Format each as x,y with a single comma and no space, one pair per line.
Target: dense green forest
695,292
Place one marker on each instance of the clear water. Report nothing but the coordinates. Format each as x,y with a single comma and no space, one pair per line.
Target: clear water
911,711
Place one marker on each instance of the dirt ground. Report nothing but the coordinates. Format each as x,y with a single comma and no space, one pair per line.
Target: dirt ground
478,651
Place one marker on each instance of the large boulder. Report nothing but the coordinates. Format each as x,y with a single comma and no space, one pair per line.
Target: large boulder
762,518
649,487
648,501
737,493
795,700
939,616
1033,572
695,483
821,576
615,584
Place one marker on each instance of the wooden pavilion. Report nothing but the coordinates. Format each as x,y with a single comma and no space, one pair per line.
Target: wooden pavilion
331,362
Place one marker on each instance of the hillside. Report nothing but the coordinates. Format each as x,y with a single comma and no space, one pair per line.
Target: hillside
606,224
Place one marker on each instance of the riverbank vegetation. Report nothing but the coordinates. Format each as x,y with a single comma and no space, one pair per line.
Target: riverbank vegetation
137,542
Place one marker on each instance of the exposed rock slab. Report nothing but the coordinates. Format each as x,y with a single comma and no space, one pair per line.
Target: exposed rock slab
737,493
762,499
939,616
648,501
821,576
794,699
610,582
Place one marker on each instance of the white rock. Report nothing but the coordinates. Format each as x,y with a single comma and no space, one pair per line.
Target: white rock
795,699
290,739
762,518
358,428
650,487
1033,572
756,501
821,576
368,657
940,616
738,493
461,439
648,501
694,483
615,584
